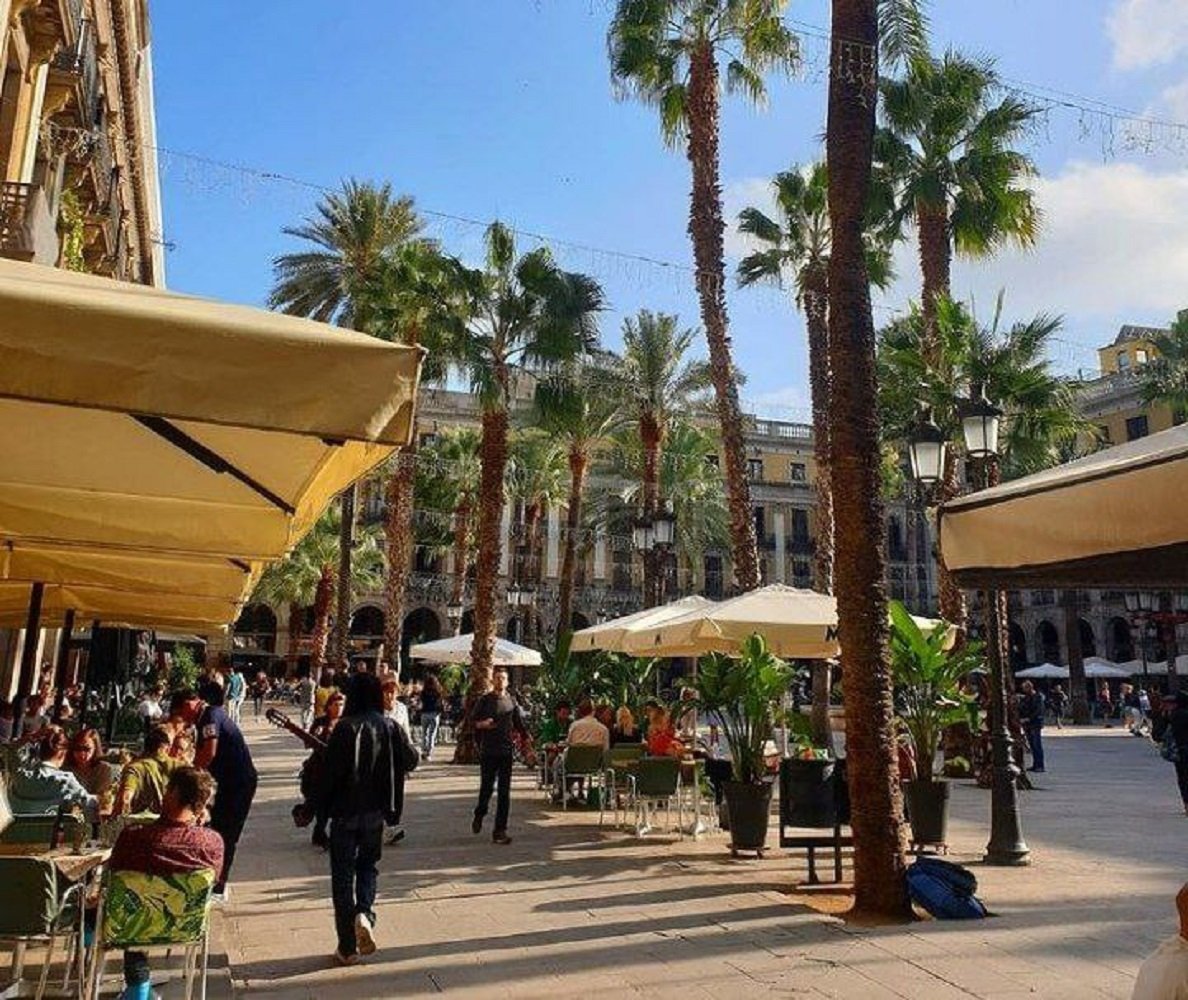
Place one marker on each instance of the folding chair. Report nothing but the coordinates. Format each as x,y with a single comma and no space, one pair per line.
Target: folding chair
38,905
619,781
581,762
138,912
658,779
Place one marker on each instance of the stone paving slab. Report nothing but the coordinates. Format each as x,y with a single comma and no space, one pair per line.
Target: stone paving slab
571,910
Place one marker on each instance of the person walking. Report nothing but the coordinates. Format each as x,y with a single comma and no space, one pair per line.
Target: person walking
1058,700
236,691
306,693
222,751
497,720
1031,716
361,786
1175,739
431,706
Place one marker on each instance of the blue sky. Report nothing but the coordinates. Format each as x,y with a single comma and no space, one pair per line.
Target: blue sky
503,108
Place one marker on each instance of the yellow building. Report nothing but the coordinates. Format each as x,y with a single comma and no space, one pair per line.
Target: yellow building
77,138
1113,400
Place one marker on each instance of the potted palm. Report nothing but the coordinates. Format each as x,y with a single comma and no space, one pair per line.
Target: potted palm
927,678
745,693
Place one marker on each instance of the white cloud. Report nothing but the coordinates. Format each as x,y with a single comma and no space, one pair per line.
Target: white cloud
1173,102
750,192
1147,32
1114,242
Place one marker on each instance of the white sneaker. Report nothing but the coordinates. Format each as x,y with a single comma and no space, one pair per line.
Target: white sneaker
364,938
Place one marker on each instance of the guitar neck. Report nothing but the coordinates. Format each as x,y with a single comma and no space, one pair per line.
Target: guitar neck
282,721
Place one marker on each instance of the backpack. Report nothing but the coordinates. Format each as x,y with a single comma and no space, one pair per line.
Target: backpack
944,890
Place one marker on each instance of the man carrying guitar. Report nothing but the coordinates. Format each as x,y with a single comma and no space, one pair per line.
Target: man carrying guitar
303,812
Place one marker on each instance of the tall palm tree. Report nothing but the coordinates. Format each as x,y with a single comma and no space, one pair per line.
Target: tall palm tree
1165,377
577,407
352,235
654,385
946,146
452,463
536,479
880,885
309,575
666,53
525,310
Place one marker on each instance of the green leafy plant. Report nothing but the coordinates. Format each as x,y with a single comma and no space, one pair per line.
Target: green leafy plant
452,677
183,669
623,680
928,680
745,693
70,228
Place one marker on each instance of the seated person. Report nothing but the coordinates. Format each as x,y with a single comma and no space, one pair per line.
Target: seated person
662,741
1164,975
41,786
33,720
555,729
142,785
626,729
606,715
85,761
587,730
176,843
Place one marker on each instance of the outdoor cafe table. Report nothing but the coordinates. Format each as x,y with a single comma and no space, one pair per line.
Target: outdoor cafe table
691,771
76,866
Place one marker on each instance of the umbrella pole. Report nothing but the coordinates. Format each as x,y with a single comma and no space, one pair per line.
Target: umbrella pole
62,664
86,695
29,649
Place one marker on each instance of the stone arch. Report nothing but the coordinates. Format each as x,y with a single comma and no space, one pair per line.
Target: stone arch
1047,642
420,625
256,627
467,625
577,621
367,622
1088,639
1017,645
1119,640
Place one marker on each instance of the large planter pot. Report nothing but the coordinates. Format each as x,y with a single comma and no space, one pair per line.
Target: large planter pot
928,809
749,807
807,796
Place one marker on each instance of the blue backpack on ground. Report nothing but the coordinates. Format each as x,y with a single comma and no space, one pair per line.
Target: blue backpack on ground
944,890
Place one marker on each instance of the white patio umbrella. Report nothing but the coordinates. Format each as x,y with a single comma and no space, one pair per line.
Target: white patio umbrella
1045,671
456,649
1104,670
611,635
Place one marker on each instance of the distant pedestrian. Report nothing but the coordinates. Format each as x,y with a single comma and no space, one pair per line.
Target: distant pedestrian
236,692
497,722
260,688
1031,716
361,786
431,708
1058,700
1105,705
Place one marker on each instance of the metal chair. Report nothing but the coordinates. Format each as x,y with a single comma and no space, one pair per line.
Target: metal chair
620,781
139,912
658,779
583,762
38,905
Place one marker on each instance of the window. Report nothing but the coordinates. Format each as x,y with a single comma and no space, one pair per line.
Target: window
428,439
797,473
760,523
1136,427
1103,431
711,459
1123,361
713,576
800,525
755,470
1140,356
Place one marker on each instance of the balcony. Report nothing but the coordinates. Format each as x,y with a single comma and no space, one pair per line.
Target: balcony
801,545
27,229
75,68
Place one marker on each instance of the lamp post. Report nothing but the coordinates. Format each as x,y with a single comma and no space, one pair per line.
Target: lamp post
454,614
1165,611
654,538
980,423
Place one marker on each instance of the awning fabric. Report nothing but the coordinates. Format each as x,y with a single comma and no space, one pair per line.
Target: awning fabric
1114,518
456,649
144,609
610,635
796,623
166,446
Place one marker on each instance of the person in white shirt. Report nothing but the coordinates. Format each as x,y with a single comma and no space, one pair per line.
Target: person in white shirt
149,709
1164,975
586,730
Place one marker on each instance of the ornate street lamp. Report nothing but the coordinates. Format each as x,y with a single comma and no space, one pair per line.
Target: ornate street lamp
980,420
454,614
926,449
663,529
513,594
643,534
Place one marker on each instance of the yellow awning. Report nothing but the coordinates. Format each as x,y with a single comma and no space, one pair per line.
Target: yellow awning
139,608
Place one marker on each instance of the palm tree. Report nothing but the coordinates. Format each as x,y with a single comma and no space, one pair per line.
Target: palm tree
577,407
352,235
1165,377
666,53
880,885
309,575
536,480
654,384
525,310
449,471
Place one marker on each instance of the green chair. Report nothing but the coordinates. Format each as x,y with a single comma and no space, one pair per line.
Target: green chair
658,780
39,829
584,762
620,781
138,911
38,905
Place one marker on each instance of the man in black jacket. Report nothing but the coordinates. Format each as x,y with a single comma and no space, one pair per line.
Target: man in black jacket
497,721
361,786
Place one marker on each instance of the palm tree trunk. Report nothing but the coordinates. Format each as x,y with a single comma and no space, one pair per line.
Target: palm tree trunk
880,886
529,571
296,618
1078,692
935,262
573,523
706,229
399,537
816,311
461,556
323,600
651,438
493,455
346,543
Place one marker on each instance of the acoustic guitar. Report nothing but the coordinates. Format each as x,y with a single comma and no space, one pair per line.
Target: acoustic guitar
282,721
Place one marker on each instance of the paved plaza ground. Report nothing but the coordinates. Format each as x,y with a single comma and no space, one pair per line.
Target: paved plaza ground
570,911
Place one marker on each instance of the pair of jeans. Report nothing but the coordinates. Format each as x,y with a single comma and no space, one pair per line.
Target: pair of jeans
430,722
1035,740
228,814
495,770
356,845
